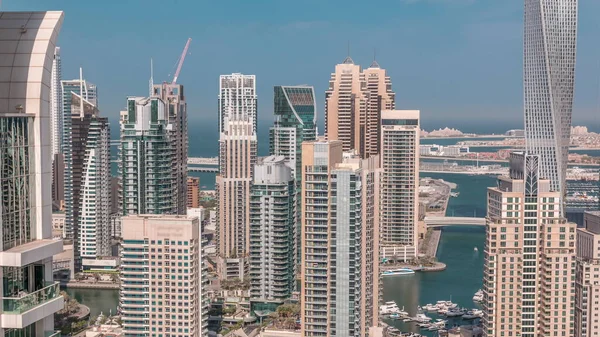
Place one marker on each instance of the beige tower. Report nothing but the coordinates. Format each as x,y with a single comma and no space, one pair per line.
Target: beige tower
237,159
339,241
379,97
587,277
193,192
529,256
161,259
345,105
353,106
399,154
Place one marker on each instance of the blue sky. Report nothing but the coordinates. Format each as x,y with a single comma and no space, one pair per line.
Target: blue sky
458,61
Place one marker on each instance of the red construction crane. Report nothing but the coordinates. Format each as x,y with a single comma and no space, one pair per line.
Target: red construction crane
181,59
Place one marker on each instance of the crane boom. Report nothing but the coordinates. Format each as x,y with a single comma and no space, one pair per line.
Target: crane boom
181,59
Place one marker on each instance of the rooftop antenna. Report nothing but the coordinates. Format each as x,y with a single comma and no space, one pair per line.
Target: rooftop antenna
151,77
348,48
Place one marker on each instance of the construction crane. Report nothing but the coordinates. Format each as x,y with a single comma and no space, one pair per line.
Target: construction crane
181,59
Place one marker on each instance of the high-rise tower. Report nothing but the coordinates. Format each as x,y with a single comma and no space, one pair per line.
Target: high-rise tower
380,96
173,96
159,295
587,277
237,99
353,106
550,37
91,180
272,230
295,111
89,92
340,259
529,256
147,155
345,104
237,156
29,295
400,132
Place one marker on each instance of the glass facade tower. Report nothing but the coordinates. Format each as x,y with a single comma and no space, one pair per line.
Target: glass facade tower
550,37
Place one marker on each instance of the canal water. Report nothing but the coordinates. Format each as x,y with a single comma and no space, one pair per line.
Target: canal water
458,282
464,272
99,300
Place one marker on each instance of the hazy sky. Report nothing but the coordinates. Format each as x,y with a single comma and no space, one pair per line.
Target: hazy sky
455,60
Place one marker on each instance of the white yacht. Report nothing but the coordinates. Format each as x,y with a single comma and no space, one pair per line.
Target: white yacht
400,271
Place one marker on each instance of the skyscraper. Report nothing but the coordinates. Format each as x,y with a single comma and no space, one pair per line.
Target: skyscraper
88,91
345,104
238,147
353,106
529,256
295,122
174,98
550,36
91,180
30,297
379,97
237,99
587,276
400,132
147,155
161,276
272,230
340,262
237,156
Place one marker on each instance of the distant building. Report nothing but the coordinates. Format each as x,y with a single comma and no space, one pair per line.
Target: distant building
237,156
529,256
176,115
340,264
90,160
193,192
515,133
272,230
146,159
549,48
587,277
88,91
295,111
400,186
164,297
353,106
199,212
58,223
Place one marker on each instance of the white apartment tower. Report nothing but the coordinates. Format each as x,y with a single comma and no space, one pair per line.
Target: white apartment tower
161,284
29,295
272,230
237,156
529,256
399,154
550,39
340,261
237,99
587,277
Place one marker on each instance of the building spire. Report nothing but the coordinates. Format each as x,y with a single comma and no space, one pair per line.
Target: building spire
374,64
81,114
348,59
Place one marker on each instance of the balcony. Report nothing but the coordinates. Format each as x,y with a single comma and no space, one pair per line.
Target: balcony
30,252
24,310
